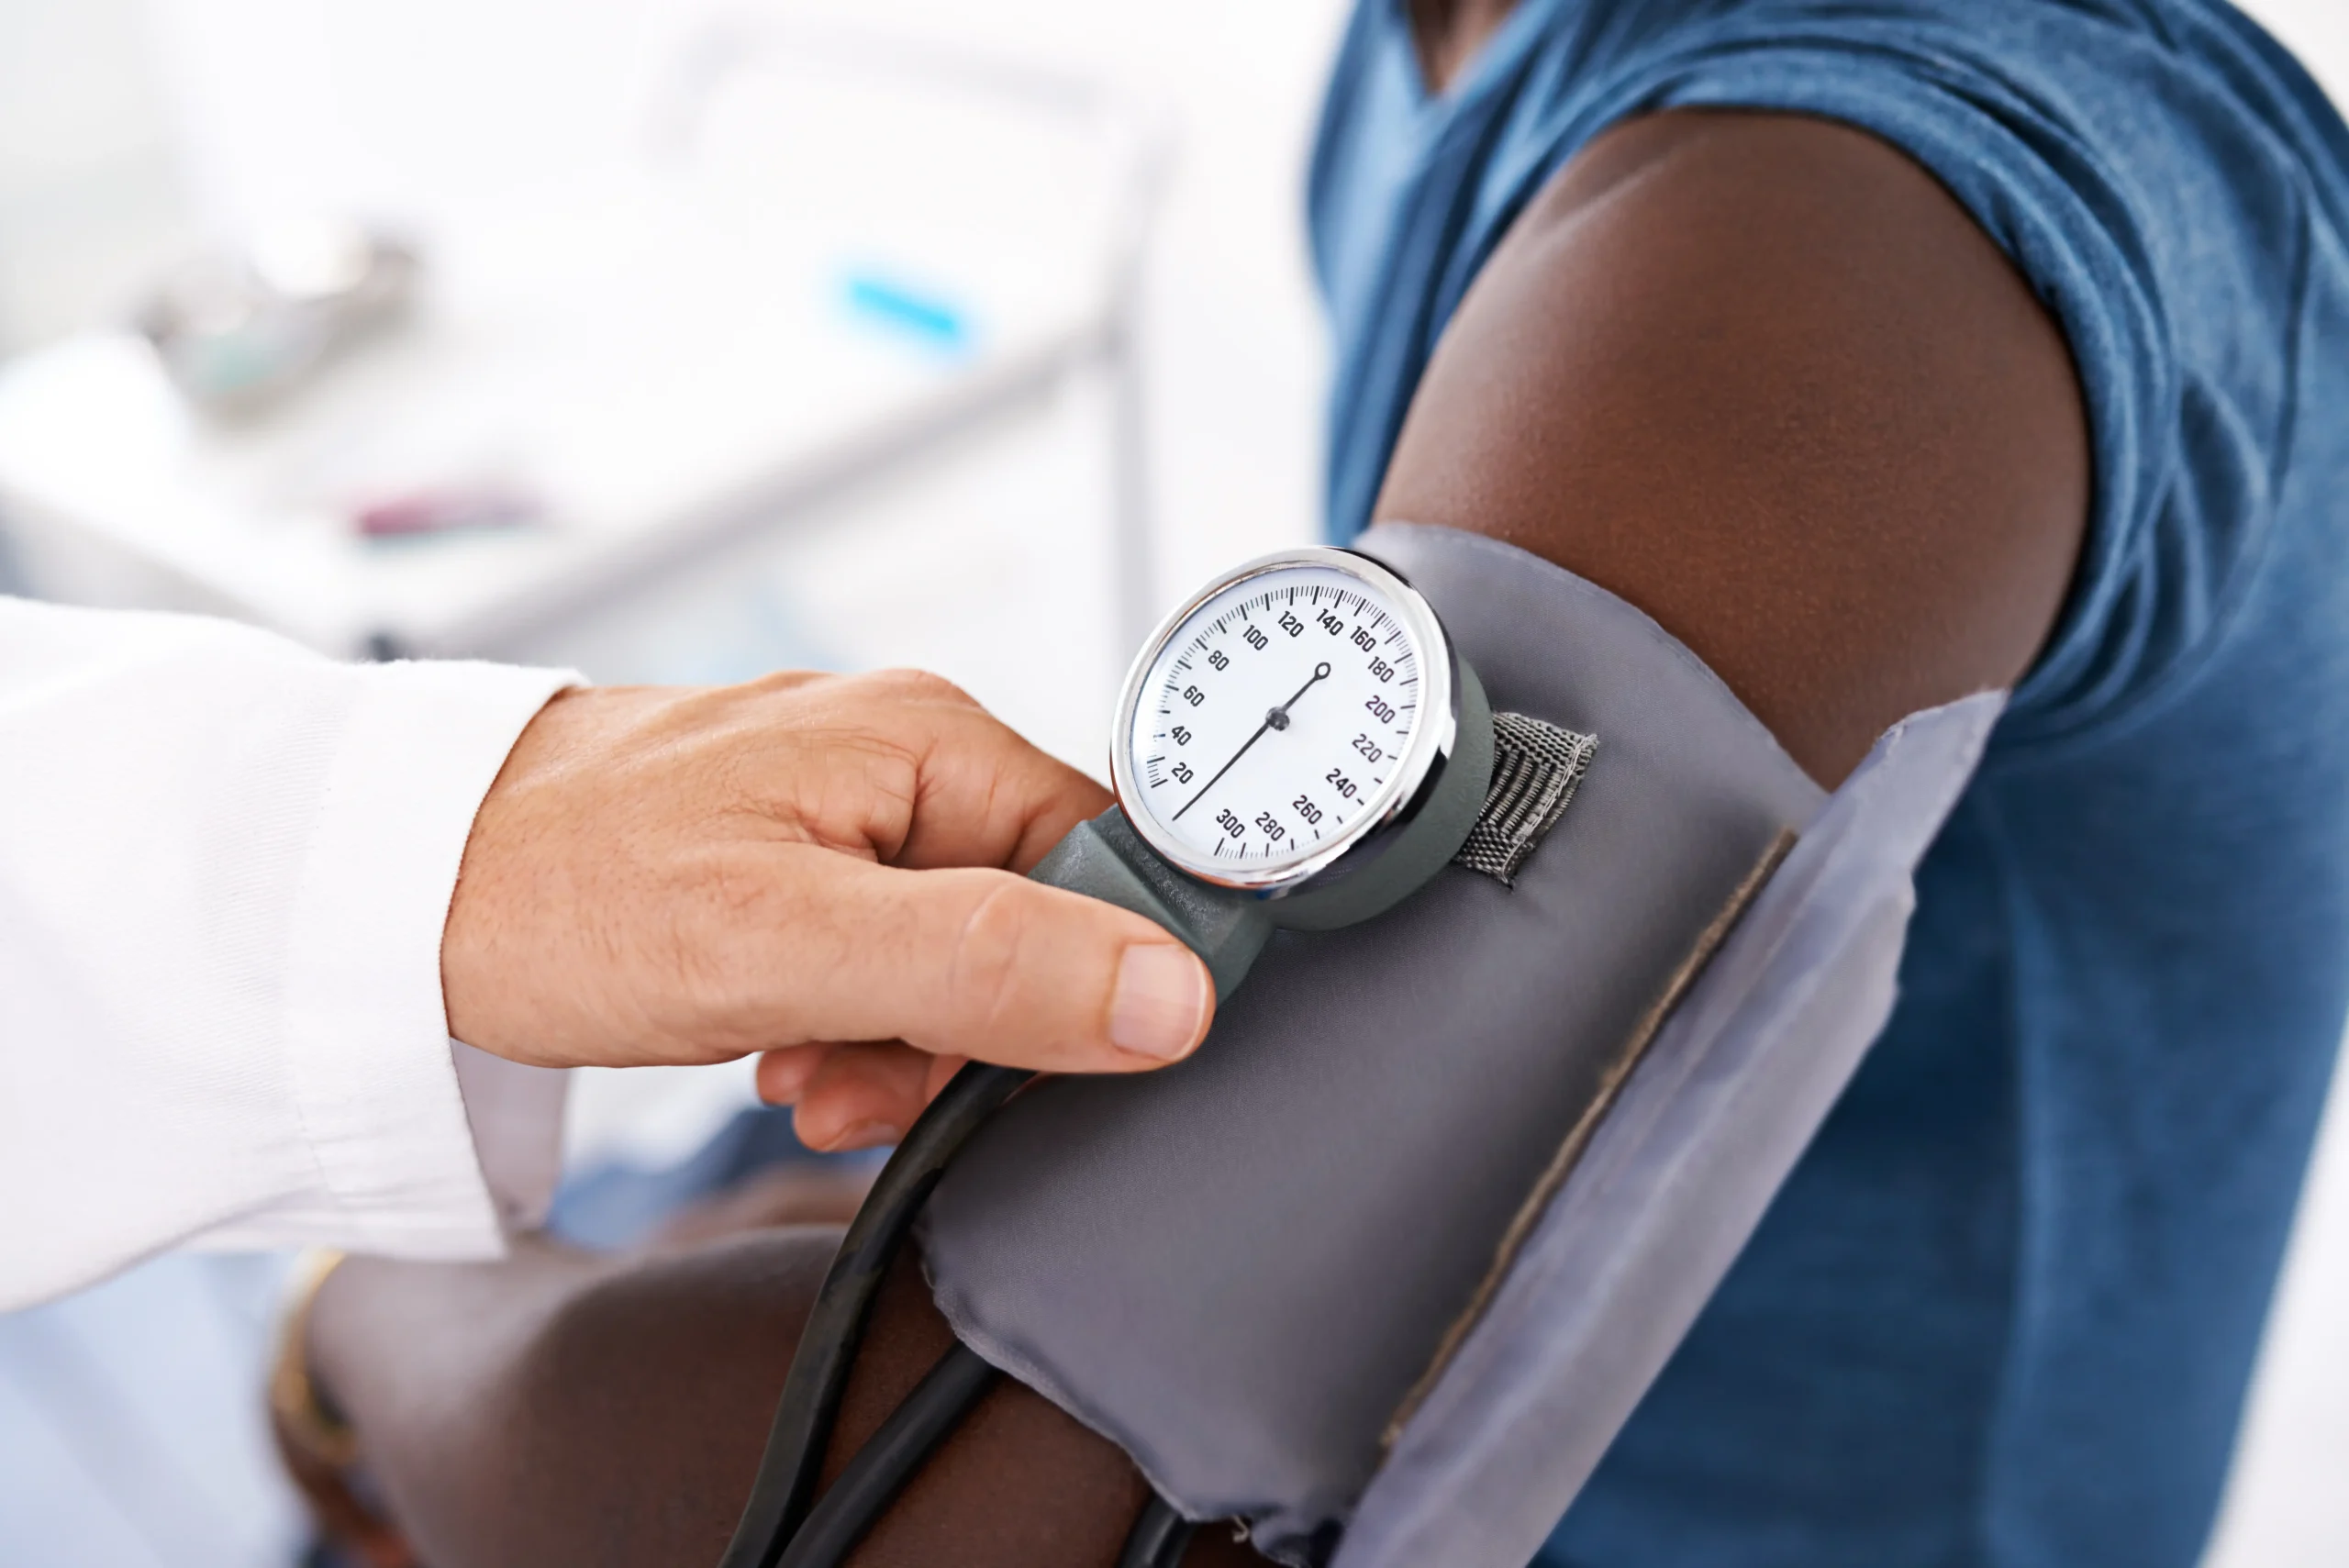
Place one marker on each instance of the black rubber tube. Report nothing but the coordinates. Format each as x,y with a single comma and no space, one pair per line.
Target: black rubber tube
1159,1538
852,1504
786,1487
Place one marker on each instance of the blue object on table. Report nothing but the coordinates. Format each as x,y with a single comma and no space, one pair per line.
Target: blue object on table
909,312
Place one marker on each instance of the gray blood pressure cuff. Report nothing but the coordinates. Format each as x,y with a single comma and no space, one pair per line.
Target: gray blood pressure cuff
1382,1269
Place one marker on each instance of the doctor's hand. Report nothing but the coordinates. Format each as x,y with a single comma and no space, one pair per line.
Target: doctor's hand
824,867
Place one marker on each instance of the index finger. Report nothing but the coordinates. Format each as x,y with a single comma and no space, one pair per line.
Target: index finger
909,762
988,796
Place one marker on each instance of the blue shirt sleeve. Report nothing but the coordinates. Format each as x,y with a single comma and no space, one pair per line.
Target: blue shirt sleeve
2153,169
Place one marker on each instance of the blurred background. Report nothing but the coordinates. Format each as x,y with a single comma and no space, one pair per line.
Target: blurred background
678,342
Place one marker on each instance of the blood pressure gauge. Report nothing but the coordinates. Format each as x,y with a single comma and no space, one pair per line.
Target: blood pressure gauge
1283,718
1298,745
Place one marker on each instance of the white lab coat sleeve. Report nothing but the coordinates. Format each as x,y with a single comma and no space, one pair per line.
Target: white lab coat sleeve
225,865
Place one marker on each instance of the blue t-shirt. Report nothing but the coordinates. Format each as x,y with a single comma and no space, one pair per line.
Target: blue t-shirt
2005,1311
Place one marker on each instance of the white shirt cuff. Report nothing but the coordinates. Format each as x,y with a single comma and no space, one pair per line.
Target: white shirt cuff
516,1112
367,1041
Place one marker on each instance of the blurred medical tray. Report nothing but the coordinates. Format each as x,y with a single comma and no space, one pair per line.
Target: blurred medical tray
605,379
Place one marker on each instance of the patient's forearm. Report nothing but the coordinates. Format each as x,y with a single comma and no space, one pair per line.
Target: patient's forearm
562,1407
592,1412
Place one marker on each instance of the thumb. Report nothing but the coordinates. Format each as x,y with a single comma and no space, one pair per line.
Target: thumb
987,965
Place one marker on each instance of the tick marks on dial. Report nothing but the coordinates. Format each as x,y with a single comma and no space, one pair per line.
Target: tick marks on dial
1320,673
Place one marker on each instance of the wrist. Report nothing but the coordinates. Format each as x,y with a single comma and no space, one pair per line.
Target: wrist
307,1418
490,949
315,1440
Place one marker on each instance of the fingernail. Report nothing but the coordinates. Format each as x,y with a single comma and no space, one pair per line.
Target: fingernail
1163,998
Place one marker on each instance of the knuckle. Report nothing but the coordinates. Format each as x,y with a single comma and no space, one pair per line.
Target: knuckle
778,683
924,686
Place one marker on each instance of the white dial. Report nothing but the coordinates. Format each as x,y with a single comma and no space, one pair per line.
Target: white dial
1281,717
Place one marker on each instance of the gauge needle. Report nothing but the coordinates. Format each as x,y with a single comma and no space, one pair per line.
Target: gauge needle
1277,719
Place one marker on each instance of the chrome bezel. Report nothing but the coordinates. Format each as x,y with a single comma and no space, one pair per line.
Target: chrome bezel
1399,798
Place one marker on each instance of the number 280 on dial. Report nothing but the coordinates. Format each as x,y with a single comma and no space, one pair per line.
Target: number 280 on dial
1273,720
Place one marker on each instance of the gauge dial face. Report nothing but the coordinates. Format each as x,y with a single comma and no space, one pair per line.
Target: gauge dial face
1274,722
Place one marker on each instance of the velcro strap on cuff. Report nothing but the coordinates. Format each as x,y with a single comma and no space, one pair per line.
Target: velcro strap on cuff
1536,765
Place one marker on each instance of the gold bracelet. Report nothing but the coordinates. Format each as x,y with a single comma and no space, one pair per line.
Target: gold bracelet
310,1423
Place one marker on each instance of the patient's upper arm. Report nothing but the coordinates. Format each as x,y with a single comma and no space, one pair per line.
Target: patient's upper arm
1764,377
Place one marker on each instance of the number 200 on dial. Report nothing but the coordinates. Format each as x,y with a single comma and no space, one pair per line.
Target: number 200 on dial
1274,722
